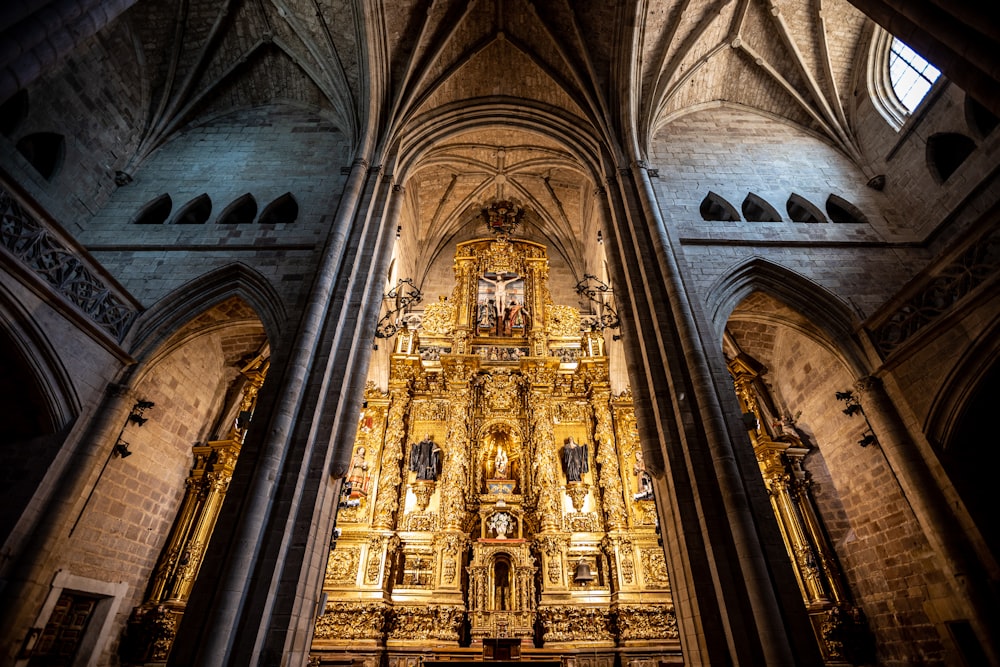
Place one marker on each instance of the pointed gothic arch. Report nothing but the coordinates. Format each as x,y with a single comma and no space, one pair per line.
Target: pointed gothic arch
833,321
158,323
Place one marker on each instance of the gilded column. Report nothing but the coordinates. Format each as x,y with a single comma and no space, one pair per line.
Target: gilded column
458,371
541,374
390,477
609,470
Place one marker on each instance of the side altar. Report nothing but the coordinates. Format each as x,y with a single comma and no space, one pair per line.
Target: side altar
497,488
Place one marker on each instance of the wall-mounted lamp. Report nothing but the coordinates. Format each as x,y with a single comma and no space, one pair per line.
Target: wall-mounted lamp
853,407
119,450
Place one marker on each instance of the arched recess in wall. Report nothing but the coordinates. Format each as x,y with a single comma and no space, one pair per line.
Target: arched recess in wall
241,211
756,209
841,210
830,320
960,425
237,279
40,404
155,212
715,208
195,212
45,152
284,209
946,151
801,209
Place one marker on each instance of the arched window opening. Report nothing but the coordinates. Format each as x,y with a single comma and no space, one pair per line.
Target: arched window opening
910,74
13,112
240,212
283,209
195,212
714,207
801,210
841,210
756,209
981,120
44,151
501,584
946,152
155,212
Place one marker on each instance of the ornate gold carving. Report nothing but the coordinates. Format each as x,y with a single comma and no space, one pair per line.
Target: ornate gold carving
425,622
610,479
429,411
564,623
390,479
647,621
577,492
421,523
351,620
439,318
654,568
562,321
454,473
342,566
423,490
501,392
581,522
576,412
501,256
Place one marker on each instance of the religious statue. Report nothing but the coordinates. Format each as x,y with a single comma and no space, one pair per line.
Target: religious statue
501,524
574,459
644,483
500,463
357,476
425,458
486,314
517,317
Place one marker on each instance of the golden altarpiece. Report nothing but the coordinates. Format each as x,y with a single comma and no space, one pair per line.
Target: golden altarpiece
497,489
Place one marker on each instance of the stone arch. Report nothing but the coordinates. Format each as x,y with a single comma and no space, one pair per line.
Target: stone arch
195,212
832,321
960,424
801,209
946,151
40,405
241,211
284,209
715,207
757,209
840,210
154,326
155,212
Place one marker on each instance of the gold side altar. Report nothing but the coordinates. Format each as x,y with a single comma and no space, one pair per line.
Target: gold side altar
497,489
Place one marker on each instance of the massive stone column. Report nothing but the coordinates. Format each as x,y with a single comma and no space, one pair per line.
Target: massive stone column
732,607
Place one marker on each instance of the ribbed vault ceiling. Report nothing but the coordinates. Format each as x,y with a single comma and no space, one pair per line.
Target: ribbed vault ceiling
382,70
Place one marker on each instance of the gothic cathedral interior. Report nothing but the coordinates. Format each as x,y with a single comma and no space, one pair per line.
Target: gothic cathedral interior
424,333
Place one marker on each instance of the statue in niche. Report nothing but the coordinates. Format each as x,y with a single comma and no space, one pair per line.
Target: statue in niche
357,477
500,464
516,317
501,581
486,314
574,459
644,483
425,459
503,289
501,524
